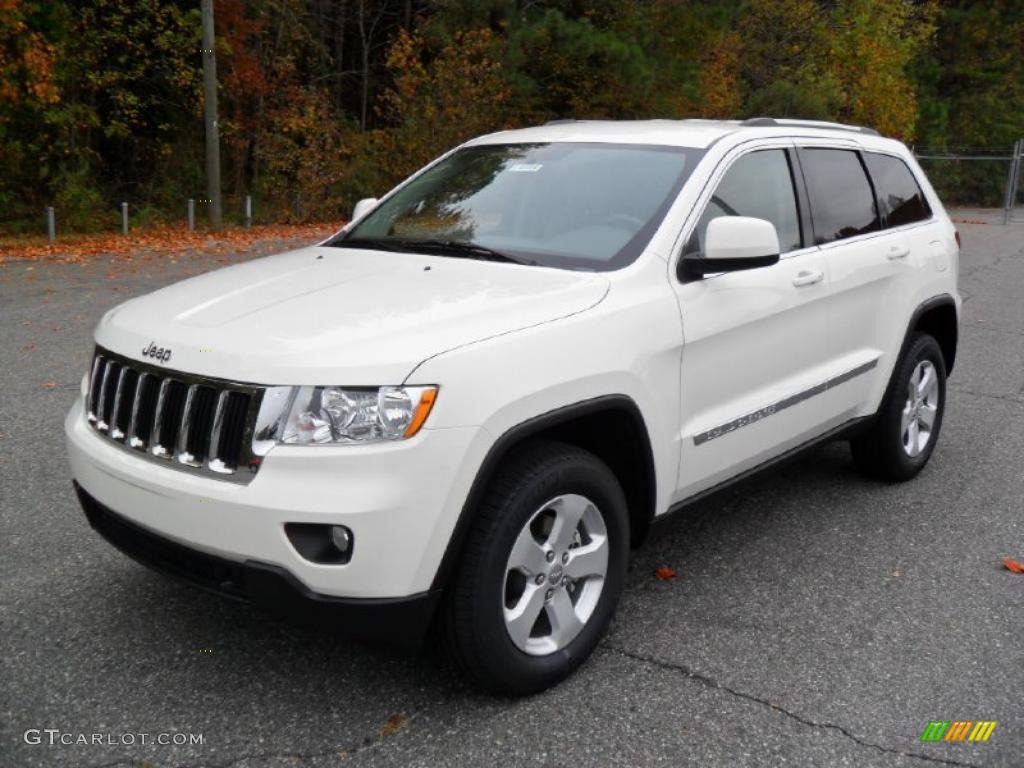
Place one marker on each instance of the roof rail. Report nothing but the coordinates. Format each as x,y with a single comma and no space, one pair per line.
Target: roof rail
562,121
767,122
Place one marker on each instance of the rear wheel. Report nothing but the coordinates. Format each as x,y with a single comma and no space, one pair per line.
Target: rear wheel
903,436
541,572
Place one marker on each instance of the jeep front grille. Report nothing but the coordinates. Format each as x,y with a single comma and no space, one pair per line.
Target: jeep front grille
189,422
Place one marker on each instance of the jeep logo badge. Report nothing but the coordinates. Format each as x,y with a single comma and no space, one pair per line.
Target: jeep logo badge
157,353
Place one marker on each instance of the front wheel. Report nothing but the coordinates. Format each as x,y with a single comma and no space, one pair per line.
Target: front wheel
903,436
541,572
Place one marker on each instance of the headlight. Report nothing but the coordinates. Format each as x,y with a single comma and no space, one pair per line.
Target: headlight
332,415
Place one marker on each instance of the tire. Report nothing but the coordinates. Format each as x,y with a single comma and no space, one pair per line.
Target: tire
904,433
519,560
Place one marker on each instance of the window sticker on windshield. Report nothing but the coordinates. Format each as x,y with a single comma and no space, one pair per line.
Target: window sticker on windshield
526,167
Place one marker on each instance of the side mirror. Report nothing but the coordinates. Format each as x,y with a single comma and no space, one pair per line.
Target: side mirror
733,243
363,207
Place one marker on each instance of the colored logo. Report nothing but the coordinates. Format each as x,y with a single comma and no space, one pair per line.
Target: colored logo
959,730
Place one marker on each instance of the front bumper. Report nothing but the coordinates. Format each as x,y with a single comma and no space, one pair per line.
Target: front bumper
397,622
400,500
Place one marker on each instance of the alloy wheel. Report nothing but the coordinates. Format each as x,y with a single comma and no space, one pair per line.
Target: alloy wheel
921,408
555,574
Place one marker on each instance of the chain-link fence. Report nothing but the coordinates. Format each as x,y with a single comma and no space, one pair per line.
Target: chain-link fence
963,176
980,177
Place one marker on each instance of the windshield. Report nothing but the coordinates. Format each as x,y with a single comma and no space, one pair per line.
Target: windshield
571,205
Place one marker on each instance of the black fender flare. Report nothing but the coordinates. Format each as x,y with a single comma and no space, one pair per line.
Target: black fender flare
516,435
941,300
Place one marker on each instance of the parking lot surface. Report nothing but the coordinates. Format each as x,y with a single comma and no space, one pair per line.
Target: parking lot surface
816,618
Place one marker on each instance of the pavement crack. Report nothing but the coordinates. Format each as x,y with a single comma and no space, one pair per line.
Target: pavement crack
364,744
1015,399
970,271
710,682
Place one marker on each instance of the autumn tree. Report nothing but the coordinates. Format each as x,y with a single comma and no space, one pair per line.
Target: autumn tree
871,46
28,90
784,60
440,97
325,101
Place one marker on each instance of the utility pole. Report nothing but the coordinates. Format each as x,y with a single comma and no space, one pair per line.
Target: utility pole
210,116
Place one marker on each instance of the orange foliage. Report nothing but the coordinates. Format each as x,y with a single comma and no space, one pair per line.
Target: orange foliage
159,240
719,78
871,46
26,59
461,93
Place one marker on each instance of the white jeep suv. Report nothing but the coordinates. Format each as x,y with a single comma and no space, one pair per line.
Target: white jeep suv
463,409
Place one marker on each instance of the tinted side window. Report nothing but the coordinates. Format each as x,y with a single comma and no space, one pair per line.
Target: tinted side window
900,196
759,184
842,203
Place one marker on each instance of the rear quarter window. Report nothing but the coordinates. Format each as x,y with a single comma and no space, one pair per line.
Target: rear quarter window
899,194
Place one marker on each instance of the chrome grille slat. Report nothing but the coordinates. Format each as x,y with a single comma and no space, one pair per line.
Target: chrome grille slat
181,450
101,406
183,421
133,421
93,394
155,446
115,433
215,463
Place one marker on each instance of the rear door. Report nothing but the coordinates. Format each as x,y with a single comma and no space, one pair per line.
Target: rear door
758,343
871,265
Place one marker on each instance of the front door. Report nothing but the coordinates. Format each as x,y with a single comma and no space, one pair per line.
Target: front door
758,345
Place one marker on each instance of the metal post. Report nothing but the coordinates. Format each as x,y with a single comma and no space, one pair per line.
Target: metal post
1018,161
191,215
248,211
124,218
210,115
1011,179
51,224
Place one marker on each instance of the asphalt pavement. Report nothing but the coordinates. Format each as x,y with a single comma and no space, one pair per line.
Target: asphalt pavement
817,619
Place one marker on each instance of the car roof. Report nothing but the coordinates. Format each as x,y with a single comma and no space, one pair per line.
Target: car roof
682,133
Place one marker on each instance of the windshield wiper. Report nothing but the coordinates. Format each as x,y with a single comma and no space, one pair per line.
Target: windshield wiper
372,243
458,248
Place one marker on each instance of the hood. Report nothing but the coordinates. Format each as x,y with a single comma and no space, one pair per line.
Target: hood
325,315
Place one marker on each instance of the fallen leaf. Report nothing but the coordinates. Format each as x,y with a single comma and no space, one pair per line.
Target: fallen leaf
164,240
49,385
394,724
1013,565
665,573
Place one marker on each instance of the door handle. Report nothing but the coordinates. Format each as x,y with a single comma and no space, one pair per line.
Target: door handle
808,277
898,252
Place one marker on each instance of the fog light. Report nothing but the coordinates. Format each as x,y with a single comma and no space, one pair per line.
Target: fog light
341,538
322,542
